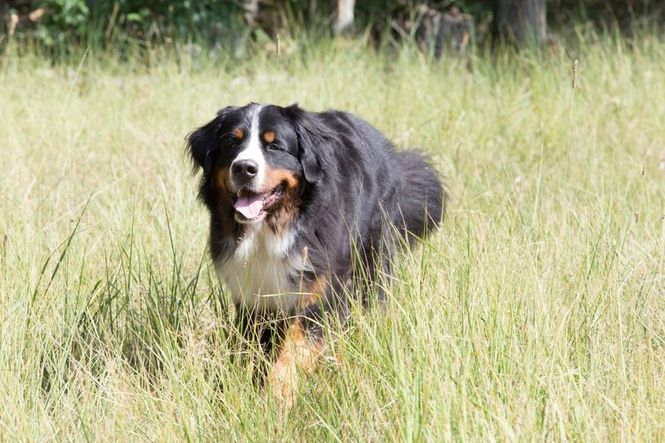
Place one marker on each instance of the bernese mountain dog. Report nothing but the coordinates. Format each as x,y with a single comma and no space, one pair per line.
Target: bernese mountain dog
306,212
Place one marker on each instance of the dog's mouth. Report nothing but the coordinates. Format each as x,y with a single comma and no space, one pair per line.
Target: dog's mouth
252,206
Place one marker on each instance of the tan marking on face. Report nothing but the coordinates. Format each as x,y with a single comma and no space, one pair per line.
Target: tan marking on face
223,192
238,133
285,211
223,201
222,179
269,136
298,355
276,177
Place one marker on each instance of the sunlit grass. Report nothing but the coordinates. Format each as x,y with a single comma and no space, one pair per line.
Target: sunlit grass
537,312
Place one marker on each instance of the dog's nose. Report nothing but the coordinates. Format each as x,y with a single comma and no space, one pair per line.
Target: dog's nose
244,170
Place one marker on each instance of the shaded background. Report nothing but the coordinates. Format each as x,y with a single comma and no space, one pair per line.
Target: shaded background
57,26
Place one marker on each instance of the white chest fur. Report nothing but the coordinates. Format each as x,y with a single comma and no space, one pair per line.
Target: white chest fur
262,273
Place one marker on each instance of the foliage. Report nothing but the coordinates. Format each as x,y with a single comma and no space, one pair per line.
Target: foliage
215,22
66,21
82,22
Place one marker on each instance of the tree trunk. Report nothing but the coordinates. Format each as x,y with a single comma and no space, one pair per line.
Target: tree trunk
520,21
344,22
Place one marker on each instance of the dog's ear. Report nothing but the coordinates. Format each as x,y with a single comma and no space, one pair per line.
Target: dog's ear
203,143
311,164
314,142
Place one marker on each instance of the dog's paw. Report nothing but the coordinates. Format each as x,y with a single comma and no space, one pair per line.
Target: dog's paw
283,384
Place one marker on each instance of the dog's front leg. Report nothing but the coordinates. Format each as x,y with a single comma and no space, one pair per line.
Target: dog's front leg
256,332
299,355
303,345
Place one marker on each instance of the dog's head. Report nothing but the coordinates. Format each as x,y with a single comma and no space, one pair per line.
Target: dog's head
259,158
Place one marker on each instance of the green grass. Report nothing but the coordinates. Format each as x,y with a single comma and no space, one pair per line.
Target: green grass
536,313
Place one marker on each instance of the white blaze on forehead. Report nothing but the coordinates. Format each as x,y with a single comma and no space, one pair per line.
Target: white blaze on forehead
253,149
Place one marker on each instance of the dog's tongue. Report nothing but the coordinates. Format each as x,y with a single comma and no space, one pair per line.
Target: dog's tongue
249,205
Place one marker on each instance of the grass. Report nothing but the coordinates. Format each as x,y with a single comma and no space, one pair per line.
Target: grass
537,312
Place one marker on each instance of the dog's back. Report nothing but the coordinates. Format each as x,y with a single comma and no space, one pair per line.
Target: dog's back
375,195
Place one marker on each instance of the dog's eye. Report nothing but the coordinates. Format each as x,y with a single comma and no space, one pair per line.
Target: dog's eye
234,137
273,147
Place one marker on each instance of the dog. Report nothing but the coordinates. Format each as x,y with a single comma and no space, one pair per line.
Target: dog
306,211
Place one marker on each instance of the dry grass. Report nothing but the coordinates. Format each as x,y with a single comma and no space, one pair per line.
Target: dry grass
537,313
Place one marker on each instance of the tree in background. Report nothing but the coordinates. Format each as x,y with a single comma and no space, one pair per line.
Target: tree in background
521,21
431,24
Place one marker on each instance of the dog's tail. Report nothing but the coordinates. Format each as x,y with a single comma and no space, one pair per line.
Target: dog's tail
422,200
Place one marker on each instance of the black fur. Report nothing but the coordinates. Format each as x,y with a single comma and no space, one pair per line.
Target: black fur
361,183
356,191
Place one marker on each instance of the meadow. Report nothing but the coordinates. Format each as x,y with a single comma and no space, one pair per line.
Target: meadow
537,312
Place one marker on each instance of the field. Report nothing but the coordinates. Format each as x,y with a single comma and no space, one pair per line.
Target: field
536,313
